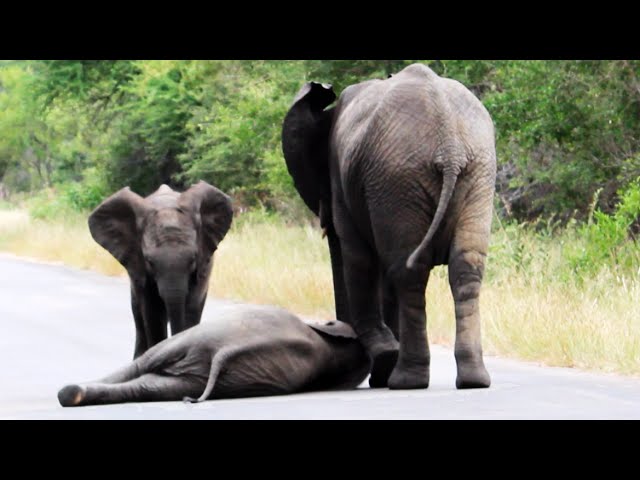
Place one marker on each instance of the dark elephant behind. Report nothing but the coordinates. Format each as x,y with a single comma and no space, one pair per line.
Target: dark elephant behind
241,351
401,173
166,242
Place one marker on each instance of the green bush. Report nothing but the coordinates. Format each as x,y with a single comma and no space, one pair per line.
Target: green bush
88,194
51,206
608,239
564,129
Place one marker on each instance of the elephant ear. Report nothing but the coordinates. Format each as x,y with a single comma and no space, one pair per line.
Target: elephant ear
319,95
213,213
334,328
114,226
305,144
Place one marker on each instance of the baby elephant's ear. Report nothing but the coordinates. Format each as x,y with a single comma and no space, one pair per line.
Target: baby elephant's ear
334,328
213,208
113,225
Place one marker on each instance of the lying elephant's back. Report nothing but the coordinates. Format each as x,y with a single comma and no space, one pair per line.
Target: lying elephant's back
275,352
240,324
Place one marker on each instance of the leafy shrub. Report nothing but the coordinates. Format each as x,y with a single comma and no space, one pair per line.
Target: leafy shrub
50,205
609,238
88,194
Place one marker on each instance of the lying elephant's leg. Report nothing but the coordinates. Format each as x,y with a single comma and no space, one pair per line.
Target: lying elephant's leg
142,364
146,388
124,374
154,359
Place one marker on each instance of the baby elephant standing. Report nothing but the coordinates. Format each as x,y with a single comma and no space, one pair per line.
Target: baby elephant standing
166,242
247,351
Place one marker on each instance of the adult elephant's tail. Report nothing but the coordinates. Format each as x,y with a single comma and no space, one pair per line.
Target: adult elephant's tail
450,176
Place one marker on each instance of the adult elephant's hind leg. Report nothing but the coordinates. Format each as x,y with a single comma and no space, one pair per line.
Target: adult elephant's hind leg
390,305
412,369
466,269
149,387
362,279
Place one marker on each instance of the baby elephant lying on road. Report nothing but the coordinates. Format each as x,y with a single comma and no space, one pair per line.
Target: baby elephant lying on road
246,351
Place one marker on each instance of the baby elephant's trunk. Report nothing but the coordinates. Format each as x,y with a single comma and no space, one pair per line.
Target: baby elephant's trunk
175,297
176,313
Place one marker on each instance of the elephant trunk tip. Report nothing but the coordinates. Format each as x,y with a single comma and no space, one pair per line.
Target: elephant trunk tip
71,395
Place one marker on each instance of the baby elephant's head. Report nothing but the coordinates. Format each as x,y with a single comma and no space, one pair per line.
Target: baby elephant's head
166,240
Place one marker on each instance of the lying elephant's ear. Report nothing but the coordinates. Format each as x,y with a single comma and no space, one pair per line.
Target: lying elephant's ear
334,328
212,209
113,225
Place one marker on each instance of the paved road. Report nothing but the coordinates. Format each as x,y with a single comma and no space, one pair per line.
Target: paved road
60,325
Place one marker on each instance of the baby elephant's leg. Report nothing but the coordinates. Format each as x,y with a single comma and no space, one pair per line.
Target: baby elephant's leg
124,374
149,387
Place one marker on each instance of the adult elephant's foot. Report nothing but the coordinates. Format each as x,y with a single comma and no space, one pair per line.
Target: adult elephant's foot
383,365
383,349
71,395
471,374
410,375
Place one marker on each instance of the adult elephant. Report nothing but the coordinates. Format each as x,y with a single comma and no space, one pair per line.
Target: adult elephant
401,173
166,243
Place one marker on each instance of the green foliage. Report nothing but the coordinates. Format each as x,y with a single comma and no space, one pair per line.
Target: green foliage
566,130
234,135
569,127
38,146
228,146
609,239
151,127
67,199
93,82
88,194
50,206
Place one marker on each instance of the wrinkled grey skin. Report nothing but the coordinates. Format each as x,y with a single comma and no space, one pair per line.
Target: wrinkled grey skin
243,351
401,173
166,243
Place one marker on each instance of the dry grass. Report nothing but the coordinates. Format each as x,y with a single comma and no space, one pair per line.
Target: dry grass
527,312
596,327
272,263
67,241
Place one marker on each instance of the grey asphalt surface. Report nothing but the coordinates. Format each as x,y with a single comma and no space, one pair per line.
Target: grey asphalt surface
61,325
